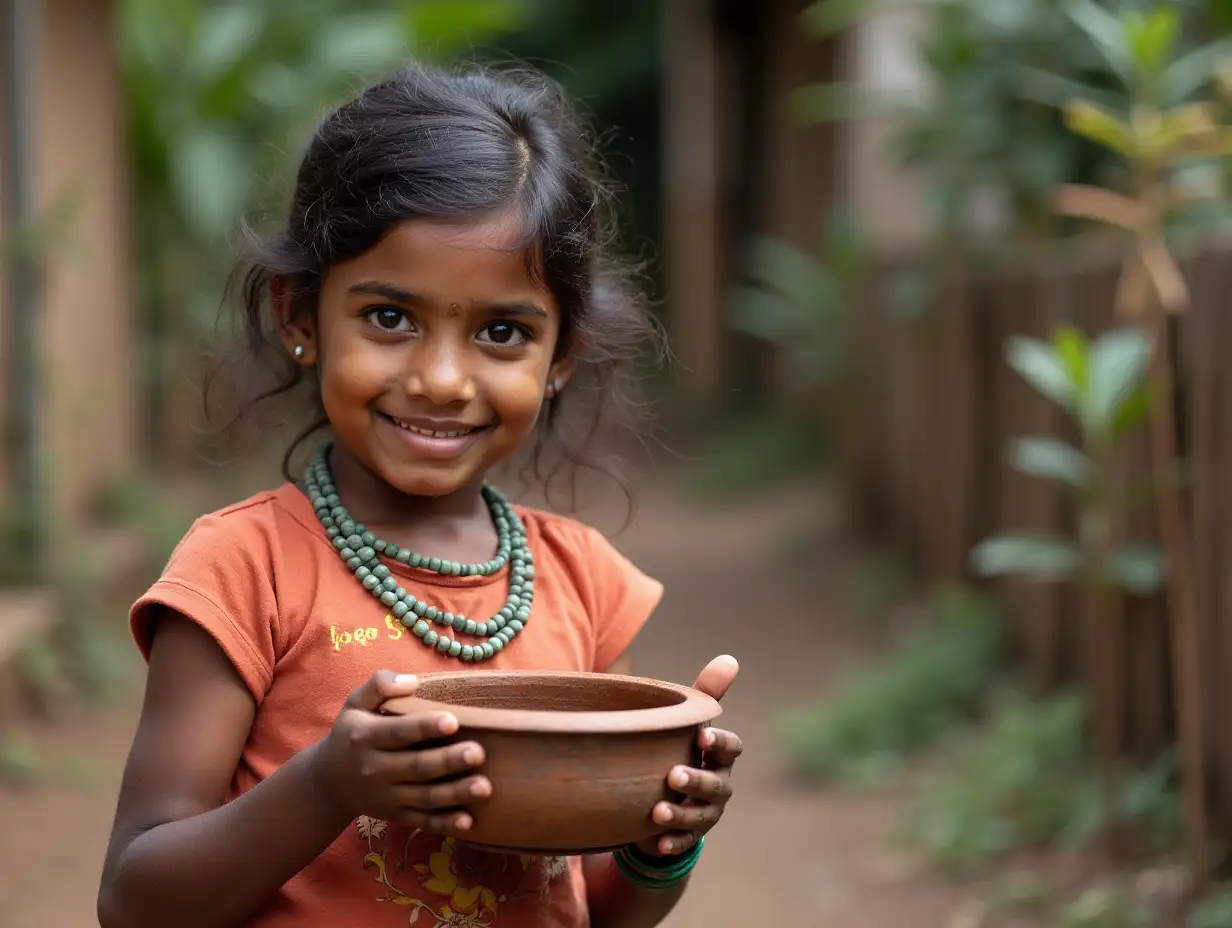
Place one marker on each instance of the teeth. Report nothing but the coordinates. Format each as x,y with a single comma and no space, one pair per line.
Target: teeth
431,434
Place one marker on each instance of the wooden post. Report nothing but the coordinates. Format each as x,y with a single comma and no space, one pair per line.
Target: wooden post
692,234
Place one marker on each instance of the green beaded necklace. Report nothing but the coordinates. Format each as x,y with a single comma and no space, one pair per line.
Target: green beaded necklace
361,550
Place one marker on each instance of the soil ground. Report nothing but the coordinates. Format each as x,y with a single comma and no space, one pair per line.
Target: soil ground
743,579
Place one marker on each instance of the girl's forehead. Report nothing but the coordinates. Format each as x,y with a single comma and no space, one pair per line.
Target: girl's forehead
483,253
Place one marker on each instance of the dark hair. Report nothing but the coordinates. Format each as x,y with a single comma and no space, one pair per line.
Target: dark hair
440,144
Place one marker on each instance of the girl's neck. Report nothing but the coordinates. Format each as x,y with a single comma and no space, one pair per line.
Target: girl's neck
374,502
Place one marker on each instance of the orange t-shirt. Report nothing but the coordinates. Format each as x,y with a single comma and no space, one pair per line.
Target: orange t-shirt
264,580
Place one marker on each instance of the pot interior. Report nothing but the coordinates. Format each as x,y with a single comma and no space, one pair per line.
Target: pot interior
529,692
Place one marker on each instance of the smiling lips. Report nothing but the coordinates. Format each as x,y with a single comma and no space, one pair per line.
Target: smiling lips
436,438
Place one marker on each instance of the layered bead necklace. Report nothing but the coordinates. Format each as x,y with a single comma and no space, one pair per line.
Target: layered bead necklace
361,551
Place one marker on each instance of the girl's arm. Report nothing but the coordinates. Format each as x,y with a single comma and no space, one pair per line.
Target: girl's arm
178,856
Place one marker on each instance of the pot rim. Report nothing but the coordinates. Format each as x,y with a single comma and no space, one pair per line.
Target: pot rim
696,709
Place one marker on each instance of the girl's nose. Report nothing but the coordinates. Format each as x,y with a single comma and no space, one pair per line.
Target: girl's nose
440,375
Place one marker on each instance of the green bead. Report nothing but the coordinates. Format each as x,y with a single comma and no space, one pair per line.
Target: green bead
352,539
490,628
355,563
488,650
496,644
331,531
348,527
471,628
506,612
415,560
431,612
389,599
459,622
419,608
340,542
454,649
455,569
347,552
402,556
431,638
371,582
381,571
366,553
400,609
379,546
444,644
368,538
434,563
389,584
522,614
361,572
447,618
529,573
468,652
420,629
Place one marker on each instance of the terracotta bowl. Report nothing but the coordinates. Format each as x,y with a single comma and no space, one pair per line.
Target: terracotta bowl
577,760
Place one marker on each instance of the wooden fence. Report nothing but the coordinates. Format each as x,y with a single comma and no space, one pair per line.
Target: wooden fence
933,477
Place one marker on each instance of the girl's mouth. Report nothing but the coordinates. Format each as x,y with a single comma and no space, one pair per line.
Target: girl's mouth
435,439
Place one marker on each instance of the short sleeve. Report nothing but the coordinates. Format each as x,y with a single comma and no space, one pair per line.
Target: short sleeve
624,599
221,577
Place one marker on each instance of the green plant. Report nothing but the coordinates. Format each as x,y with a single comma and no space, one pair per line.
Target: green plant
931,684
1108,907
20,764
1100,385
20,538
1027,779
1158,128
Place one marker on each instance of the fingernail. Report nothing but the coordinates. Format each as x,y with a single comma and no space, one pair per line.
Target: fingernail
669,846
708,738
447,725
404,679
665,814
471,756
463,823
479,788
680,778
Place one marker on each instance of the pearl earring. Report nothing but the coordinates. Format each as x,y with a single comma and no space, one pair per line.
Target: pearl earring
299,351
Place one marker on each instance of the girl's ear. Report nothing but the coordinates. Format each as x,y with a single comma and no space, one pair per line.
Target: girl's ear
298,336
558,375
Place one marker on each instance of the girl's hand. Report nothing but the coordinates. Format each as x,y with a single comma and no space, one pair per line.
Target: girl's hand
708,788
378,765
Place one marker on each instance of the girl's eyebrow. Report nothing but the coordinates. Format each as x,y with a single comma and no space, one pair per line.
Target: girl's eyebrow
406,297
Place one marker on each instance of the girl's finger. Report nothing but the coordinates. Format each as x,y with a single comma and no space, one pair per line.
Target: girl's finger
700,784
700,817
676,842
402,731
722,748
433,763
451,824
449,795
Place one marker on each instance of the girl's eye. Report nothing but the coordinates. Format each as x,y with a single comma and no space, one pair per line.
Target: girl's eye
388,320
504,334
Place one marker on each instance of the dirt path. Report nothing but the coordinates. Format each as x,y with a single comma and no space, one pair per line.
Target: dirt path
783,855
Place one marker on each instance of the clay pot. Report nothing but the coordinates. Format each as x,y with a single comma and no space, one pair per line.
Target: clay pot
577,760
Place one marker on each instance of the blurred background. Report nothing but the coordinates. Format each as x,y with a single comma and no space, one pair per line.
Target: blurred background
941,457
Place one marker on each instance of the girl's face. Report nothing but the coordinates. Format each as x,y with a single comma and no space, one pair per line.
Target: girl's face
435,349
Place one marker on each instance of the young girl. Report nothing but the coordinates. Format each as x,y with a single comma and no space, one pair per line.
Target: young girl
442,289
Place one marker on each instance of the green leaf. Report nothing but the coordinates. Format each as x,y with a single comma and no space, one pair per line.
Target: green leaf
225,35
1132,412
1193,71
837,101
1039,558
823,18
210,171
1140,569
1052,459
360,44
1151,39
791,271
1058,91
1116,365
1106,33
1043,369
442,27
1071,345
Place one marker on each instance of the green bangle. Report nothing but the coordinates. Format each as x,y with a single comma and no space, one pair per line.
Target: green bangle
653,873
